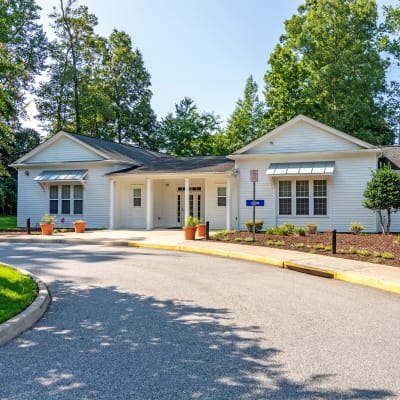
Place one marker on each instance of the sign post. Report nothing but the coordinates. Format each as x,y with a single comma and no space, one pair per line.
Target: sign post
254,179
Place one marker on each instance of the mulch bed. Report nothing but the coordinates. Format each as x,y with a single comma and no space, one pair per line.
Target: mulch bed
371,246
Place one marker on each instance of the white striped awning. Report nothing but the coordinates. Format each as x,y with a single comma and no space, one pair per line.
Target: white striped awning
301,168
63,176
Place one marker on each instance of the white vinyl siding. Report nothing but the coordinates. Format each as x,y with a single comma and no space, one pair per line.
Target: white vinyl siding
65,150
303,137
34,199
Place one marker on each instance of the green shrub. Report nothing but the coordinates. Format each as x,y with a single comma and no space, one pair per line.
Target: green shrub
319,246
271,230
248,239
299,245
258,225
238,239
328,248
269,243
222,234
289,227
377,254
282,230
352,250
191,221
356,228
299,230
312,227
387,256
363,252
398,238
279,243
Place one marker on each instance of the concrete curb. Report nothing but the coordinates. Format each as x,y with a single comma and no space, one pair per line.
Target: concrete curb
373,283
213,252
25,320
322,272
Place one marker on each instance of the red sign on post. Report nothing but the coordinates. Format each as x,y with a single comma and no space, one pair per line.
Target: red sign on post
254,175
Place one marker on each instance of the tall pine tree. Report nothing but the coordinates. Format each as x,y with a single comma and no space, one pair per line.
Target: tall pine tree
247,120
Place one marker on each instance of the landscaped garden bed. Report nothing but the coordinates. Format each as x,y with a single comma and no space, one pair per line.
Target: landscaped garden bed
375,248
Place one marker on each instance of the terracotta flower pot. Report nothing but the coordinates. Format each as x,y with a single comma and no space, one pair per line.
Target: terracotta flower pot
80,226
201,230
190,232
47,229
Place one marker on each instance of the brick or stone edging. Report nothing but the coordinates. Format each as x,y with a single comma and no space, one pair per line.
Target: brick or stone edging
23,321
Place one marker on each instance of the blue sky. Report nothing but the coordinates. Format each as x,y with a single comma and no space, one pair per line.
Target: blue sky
203,49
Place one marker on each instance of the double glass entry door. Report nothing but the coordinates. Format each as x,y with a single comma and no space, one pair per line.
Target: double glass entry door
194,204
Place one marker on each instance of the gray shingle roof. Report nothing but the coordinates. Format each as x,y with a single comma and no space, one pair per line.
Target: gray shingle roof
213,164
392,154
121,152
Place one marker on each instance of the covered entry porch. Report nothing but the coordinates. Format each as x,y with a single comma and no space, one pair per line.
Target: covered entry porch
160,199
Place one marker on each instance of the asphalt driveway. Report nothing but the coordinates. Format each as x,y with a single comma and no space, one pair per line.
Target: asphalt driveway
127,323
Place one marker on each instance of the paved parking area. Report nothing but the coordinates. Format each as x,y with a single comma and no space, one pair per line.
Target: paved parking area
130,323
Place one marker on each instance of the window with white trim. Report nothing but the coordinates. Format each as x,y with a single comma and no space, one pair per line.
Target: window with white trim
285,197
137,197
221,196
320,197
302,197
66,199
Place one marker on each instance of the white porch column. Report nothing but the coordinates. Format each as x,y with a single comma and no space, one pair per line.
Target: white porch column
112,205
149,204
187,205
229,203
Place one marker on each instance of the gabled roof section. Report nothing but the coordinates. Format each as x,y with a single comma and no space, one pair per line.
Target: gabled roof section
121,151
391,154
104,150
268,137
206,164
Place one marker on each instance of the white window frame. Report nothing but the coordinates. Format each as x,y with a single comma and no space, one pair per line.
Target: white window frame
221,196
60,199
135,197
310,197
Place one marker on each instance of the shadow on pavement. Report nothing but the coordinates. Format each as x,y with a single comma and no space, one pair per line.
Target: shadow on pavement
123,346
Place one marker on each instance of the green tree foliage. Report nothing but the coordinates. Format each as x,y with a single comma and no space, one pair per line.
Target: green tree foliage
247,120
73,55
22,54
127,84
97,86
390,43
328,67
25,139
188,132
383,193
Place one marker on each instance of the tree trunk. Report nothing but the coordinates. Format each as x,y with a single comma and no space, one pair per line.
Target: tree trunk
381,221
389,220
75,71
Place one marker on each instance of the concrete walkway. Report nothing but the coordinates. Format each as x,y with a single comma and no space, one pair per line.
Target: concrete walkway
367,274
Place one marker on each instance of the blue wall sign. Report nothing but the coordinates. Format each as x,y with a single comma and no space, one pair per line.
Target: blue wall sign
258,203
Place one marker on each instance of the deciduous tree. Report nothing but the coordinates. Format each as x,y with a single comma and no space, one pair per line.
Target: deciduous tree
328,66
188,132
382,193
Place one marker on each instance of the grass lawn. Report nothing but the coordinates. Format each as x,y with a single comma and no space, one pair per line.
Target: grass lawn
17,292
8,221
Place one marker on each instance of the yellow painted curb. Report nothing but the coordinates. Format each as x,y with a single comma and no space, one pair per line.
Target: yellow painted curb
153,246
325,273
213,252
259,259
382,285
